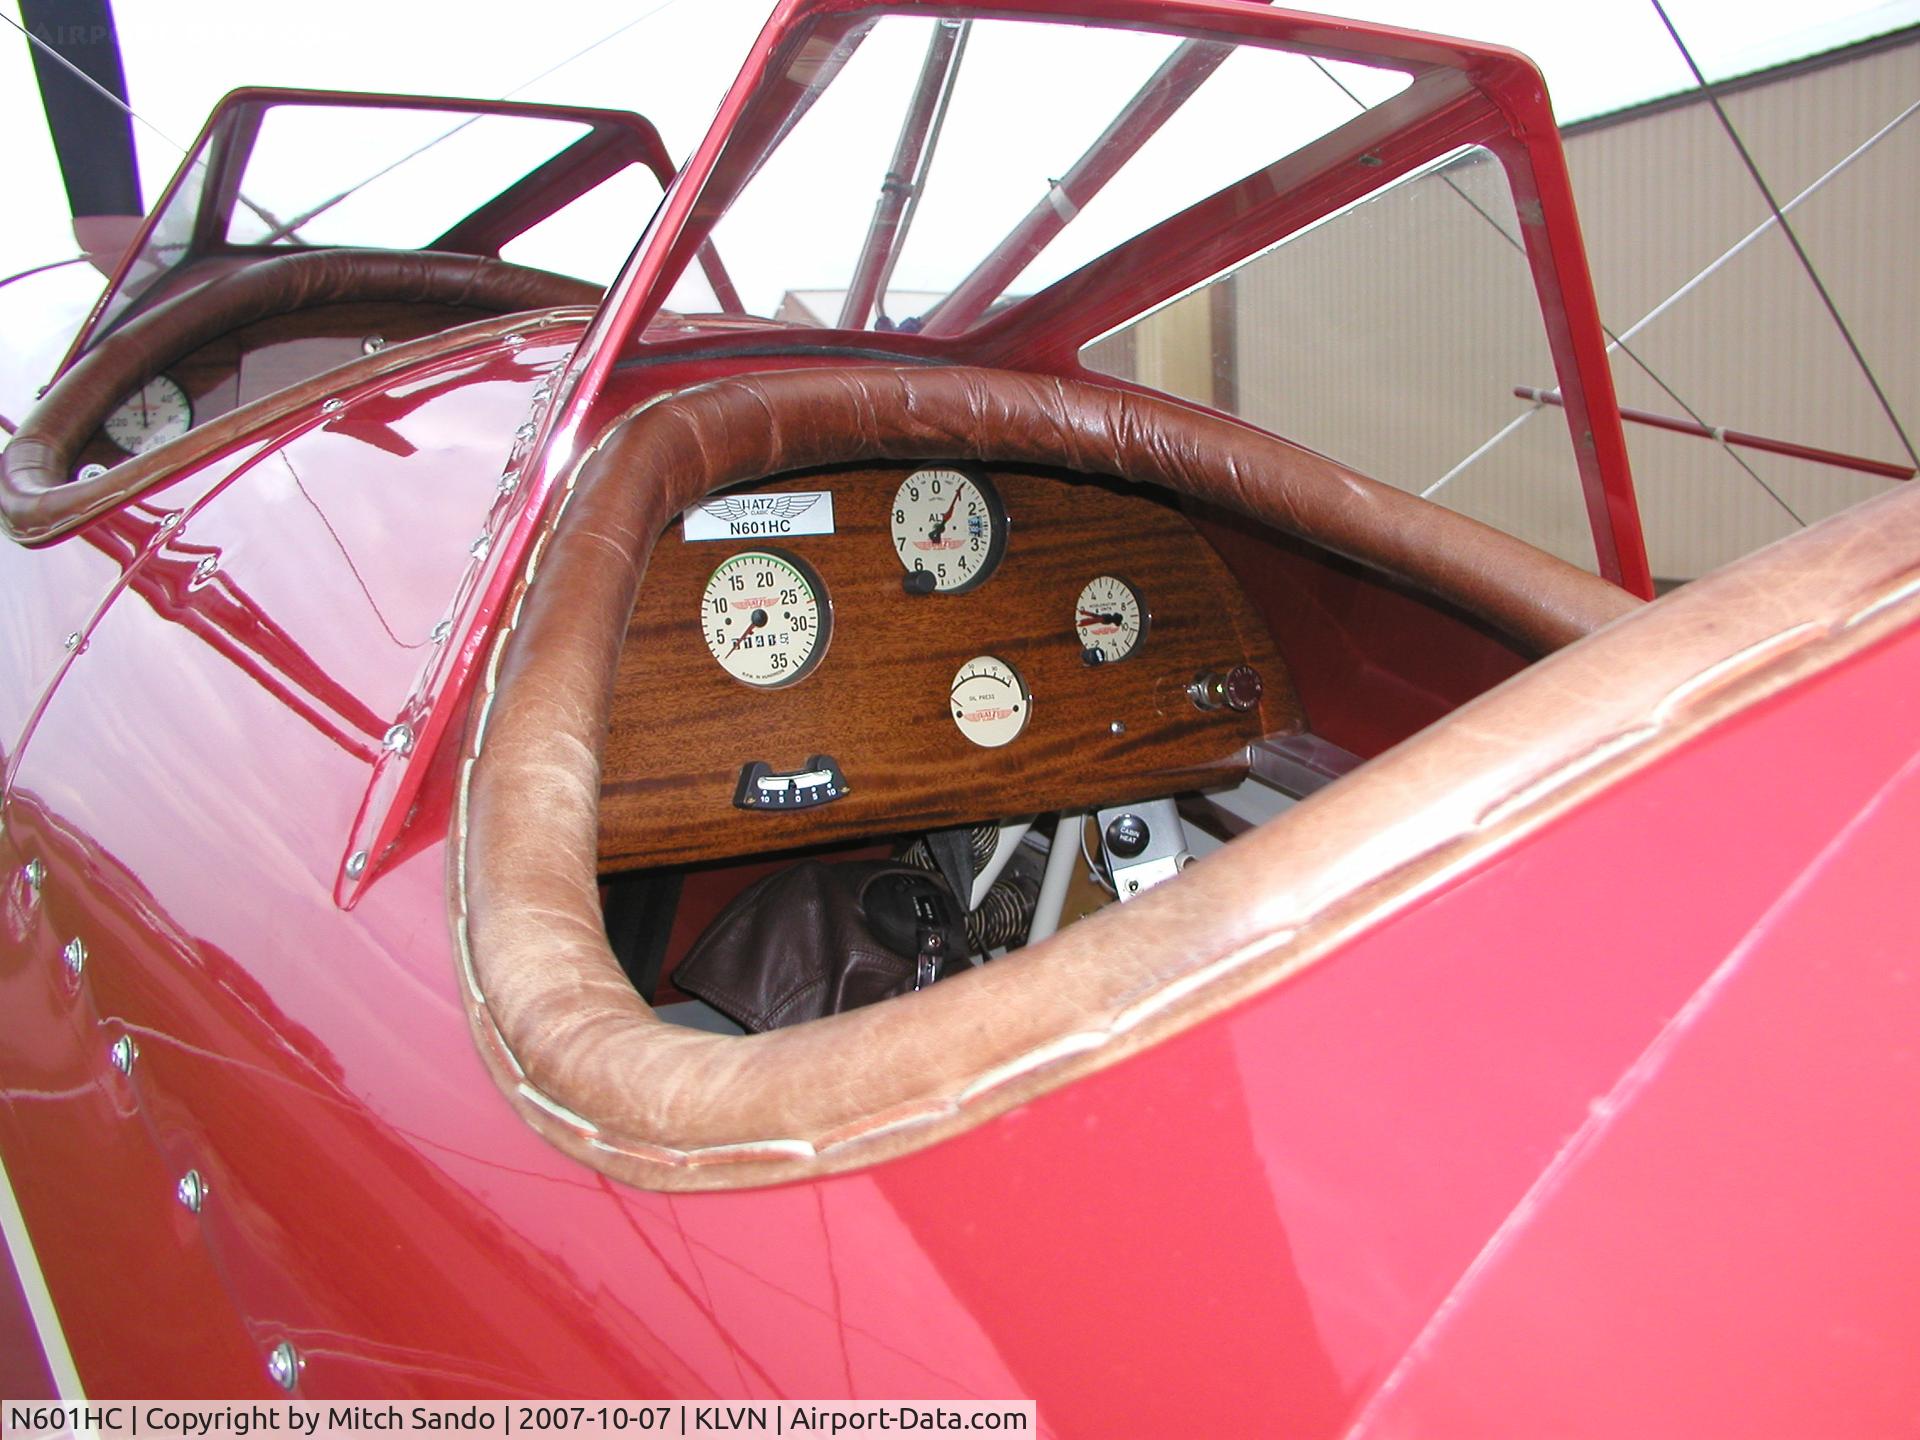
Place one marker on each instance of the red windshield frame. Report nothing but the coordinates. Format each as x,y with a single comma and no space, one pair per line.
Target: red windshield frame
1462,93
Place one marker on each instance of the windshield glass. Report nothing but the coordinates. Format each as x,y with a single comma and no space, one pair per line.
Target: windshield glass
547,190
939,169
357,175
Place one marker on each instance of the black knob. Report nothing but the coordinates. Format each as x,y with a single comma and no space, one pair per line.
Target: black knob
1127,836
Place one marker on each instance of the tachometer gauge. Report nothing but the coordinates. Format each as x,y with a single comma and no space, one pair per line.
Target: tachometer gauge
766,617
989,702
157,412
950,526
1110,618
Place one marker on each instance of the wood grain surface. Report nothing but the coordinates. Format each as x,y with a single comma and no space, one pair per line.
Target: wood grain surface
878,700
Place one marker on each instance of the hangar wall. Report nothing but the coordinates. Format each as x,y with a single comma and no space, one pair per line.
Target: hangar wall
1391,337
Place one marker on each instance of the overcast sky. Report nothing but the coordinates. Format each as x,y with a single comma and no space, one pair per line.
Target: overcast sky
673,66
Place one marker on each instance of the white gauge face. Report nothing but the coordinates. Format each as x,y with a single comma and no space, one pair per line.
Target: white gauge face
949,525
766,618
1110,618
157,412
989,702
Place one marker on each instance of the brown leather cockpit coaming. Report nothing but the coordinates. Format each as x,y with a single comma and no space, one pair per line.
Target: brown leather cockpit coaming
591,1066
39,498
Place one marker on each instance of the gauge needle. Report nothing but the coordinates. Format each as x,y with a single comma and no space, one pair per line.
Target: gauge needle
146,415
754,622
1100,619
940,525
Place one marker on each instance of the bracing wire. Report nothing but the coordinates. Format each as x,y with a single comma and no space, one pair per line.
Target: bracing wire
1793,239
1617,342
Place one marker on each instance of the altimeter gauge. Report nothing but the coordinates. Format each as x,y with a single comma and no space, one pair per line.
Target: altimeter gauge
1110,617
989,702
948,526
766,618
157,412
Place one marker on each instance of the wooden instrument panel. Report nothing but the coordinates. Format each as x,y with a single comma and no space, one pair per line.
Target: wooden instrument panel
877,701
271,354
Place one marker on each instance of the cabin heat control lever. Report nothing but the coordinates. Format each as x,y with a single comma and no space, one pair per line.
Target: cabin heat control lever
762,787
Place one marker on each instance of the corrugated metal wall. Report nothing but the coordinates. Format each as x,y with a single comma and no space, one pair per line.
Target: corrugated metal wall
1391,337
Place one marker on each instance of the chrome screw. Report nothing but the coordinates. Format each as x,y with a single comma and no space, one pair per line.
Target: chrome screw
191,1191
122,1053
74,952
480,548
35,874
1118,727
89,472
73,641
373,344
356,864
284,1365
525,432
327,407
442,631
509,482
206,568
399,739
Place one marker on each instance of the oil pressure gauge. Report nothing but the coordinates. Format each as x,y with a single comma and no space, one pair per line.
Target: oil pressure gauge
1110,618
766,618
949,530
989,702
157,412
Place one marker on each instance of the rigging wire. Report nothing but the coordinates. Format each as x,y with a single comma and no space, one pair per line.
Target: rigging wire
1806,261
1614,342
108,95
122,105
282,232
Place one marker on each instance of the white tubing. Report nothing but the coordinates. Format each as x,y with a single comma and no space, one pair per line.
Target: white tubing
1061,859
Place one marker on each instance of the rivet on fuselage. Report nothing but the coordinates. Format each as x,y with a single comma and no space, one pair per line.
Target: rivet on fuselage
356,864
122,1053
399,739
191,1191
74,953
284,1365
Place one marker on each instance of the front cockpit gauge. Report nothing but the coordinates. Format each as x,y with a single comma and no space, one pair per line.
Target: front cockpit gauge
1110,617
766,618
989,702
157,412
949,530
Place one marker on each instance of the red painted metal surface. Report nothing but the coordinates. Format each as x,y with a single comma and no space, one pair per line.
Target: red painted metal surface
1319,1169
1564,1147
